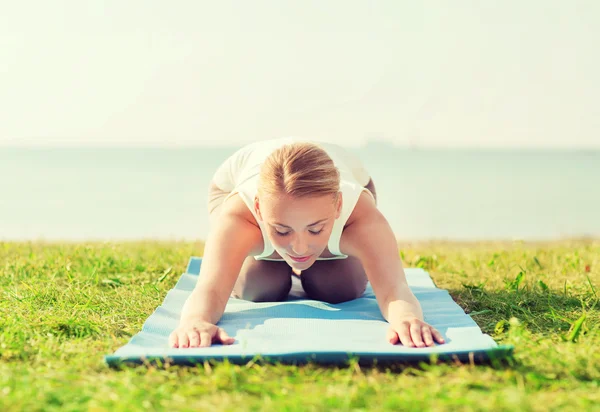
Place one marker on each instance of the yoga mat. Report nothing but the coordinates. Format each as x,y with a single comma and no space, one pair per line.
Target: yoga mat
300,330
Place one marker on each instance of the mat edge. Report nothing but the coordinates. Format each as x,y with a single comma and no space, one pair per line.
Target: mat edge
478,357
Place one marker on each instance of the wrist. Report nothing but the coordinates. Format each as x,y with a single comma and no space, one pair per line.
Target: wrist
401,309
193,318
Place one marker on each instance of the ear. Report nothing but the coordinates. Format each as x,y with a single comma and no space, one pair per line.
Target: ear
340,202
257,208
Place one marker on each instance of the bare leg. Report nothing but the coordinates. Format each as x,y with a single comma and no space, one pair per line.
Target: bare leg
335,281
263,281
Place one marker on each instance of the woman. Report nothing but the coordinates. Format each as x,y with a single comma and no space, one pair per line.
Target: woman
289,206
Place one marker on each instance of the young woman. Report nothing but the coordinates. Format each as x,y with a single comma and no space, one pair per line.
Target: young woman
294,207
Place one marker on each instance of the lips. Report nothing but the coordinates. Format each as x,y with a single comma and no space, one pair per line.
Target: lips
299,259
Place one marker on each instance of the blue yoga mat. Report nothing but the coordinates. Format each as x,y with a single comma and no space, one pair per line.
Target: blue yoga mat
300,330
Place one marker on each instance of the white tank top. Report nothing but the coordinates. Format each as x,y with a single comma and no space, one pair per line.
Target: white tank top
239,175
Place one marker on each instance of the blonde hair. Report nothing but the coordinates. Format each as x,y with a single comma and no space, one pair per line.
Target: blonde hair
299,170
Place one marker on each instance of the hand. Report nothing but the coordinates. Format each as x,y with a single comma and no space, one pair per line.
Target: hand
411,332
197,333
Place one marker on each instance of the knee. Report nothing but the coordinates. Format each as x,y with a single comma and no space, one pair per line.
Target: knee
268,287
275,292
320,289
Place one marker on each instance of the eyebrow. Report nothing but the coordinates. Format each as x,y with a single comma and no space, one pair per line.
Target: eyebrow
312,224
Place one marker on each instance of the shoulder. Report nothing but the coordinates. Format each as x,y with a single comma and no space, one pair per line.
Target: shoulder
364,216
235,211
364,208
236,207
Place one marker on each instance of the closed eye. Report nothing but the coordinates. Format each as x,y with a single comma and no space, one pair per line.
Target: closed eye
287,233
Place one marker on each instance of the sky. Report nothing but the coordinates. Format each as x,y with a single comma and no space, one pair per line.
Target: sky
481,74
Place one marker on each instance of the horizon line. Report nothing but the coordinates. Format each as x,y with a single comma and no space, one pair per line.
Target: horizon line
383,144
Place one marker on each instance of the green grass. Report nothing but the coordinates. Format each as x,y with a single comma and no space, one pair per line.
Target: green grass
64,306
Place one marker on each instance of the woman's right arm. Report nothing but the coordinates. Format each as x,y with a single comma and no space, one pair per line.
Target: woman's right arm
232,239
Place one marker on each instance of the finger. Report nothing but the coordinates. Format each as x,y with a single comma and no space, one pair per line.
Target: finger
427,336
183,340
416,329
437,336
224,337
194,339
173,340
392,336
205,339
404,334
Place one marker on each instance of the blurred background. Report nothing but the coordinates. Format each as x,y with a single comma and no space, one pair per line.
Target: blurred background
477,120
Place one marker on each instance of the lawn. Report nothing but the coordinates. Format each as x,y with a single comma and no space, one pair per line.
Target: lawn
64,306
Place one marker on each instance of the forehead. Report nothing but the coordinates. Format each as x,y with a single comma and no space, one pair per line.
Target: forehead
287,207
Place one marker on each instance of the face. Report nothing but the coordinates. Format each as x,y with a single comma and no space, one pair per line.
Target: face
299,228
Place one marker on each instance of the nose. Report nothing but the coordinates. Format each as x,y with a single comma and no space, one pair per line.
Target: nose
299,246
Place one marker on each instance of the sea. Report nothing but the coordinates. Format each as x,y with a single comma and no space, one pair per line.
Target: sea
161,193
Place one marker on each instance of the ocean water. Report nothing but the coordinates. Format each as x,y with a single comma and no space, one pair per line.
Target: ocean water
110,193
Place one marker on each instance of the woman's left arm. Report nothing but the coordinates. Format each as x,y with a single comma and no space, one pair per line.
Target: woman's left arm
370,238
